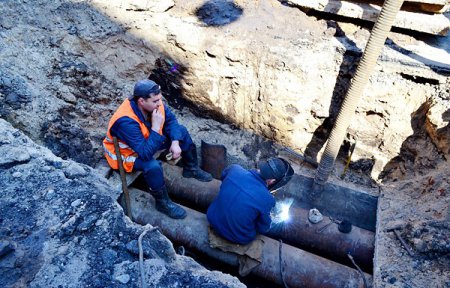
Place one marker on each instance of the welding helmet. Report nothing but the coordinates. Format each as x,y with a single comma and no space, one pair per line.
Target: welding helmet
278,169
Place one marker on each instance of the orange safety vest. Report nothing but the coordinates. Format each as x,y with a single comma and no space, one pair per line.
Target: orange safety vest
128,154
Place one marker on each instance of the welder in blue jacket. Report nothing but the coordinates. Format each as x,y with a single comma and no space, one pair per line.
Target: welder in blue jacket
144,125
242,208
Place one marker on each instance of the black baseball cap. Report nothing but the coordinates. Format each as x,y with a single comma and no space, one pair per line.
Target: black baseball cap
144,89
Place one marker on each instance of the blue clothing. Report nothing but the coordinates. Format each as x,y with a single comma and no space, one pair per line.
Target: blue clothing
242,207
152,172
128,130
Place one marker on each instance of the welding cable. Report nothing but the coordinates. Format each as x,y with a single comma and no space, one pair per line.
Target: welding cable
359,270
181,250
281,267
321,229
147,228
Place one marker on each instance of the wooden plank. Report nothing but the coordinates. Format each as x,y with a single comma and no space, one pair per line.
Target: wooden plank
115,181
433,6
436,24
434,2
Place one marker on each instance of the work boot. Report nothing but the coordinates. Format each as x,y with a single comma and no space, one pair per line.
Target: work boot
190,166
166,206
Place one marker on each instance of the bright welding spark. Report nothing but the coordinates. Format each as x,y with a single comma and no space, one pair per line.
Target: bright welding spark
284,214
280,213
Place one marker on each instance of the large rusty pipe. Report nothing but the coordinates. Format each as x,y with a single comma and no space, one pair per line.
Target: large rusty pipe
298,231
300,268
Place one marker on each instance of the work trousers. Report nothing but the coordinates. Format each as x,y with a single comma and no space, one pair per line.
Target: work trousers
152,169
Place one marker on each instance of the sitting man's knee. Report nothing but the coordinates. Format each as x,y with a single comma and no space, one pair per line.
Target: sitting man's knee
151,166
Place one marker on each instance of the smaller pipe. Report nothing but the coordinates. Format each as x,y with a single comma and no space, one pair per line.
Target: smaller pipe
303,158
301,269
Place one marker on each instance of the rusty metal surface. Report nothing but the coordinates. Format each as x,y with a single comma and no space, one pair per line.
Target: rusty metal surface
328,242
214,158
298,232
300,268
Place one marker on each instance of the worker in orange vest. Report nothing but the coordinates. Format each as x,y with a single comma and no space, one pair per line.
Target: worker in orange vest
143,125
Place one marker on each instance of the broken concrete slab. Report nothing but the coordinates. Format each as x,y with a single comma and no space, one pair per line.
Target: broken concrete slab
436,24
433,6
435,2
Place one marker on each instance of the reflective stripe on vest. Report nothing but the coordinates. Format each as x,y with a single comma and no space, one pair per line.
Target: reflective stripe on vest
127,154
114,157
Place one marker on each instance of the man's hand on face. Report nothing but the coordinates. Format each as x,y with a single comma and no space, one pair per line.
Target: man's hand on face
175,149
157,120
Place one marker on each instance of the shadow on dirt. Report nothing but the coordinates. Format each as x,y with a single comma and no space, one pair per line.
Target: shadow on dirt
169,75
347,69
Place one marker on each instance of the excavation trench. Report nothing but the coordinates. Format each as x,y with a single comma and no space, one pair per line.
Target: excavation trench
322,243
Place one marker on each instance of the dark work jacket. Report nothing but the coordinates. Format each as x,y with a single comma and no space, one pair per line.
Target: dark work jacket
241,210
128,130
